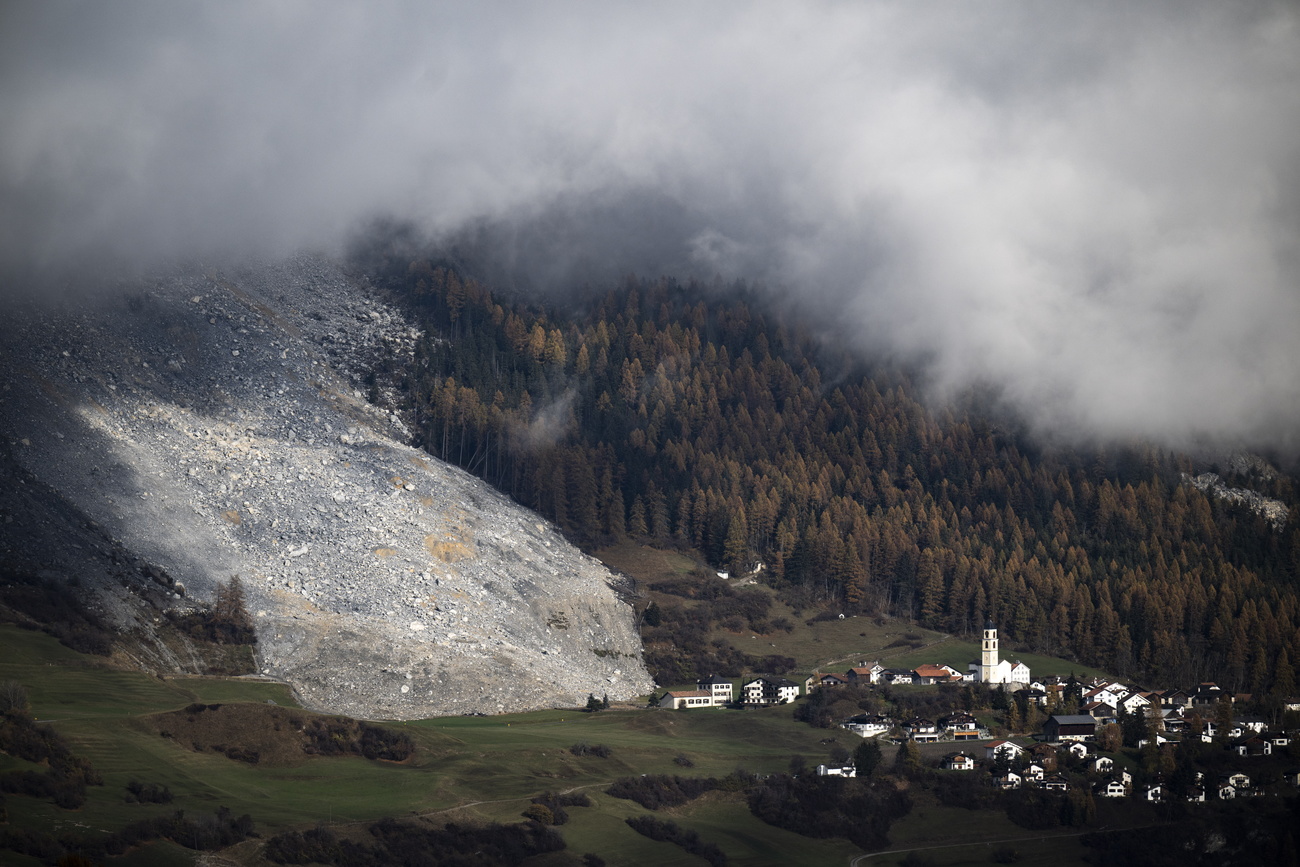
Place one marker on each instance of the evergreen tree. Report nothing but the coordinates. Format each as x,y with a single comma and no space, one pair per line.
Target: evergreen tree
867,757
736,546
1284,676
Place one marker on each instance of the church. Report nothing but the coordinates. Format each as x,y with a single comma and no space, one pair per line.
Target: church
990,669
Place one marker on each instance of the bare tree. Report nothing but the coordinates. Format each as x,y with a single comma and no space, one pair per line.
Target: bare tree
13,696
230,616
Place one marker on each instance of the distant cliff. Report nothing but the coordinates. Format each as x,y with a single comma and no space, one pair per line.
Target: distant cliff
218,424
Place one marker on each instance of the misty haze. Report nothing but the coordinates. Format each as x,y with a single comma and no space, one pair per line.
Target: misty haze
567,434
1093,210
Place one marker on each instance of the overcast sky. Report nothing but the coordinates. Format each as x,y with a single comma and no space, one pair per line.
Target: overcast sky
1093,207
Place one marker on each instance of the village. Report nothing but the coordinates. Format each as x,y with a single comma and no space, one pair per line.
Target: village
1057,734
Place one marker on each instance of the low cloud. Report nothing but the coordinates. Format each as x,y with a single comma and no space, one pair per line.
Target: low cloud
1091,208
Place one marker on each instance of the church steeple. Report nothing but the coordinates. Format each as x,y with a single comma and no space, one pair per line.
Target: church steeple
989,659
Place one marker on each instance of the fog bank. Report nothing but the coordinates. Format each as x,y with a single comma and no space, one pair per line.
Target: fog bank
1093,209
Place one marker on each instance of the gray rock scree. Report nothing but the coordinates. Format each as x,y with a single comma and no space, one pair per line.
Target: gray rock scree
215,424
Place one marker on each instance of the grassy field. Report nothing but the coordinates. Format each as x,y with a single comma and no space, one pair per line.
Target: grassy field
479,768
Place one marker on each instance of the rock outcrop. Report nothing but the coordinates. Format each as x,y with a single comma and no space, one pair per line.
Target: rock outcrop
217,424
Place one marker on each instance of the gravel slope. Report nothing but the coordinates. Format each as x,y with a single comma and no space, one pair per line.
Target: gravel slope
214,423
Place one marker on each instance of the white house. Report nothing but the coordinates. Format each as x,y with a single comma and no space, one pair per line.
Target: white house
763,691
686,698
1134,702
1003,749
921,730
958,762
1110,789
1237,780
836,771
868,725
719,687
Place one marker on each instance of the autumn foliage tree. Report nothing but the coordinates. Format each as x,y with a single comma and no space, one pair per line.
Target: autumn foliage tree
692,417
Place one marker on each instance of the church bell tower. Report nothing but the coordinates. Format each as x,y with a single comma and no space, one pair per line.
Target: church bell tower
989,659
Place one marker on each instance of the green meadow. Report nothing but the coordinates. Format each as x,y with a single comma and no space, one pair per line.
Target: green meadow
465,769
483,768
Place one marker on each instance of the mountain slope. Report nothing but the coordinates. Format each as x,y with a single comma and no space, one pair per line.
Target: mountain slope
214,425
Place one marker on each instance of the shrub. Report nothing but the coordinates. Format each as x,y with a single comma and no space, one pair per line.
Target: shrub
860,810
148,793
540,813
655,791
671,832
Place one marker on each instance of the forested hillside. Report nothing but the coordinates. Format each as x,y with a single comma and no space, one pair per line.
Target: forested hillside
689,418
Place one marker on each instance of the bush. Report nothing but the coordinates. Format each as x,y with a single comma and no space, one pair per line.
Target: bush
655,791
671,832
148,793
582,748
397,842
554,804
540,813
860,810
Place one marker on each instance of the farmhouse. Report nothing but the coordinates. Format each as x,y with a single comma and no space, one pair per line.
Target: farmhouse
929,674
686,698
864,674
1044,754
817,680
1069,727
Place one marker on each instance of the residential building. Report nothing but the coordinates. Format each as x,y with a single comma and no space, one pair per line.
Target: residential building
763,691
686,698
719,687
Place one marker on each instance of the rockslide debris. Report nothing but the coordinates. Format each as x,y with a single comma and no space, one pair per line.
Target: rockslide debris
216,424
